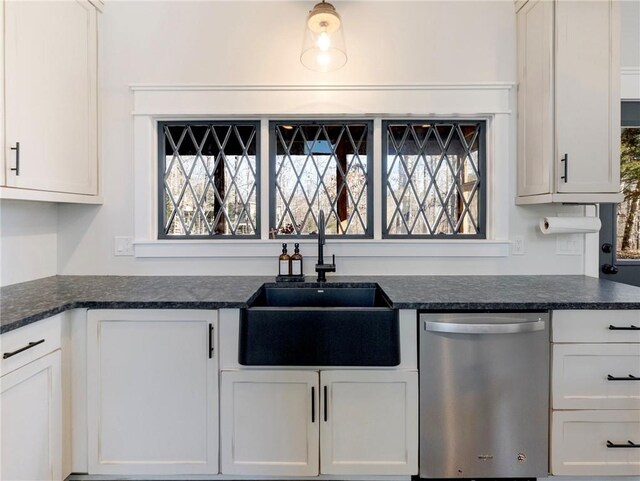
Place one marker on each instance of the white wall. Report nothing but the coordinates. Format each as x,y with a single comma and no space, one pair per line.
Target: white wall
257,43
28,241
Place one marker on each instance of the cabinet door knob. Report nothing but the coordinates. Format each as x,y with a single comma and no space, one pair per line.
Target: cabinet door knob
16,169
609,269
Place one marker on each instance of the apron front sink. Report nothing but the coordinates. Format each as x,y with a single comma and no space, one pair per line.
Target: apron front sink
319,326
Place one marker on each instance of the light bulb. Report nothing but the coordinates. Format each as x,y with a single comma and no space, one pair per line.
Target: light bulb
323,59
324,41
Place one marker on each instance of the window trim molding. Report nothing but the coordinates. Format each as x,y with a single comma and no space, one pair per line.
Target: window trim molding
491,101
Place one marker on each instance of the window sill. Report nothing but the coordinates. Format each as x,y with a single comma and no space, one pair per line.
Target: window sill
343,248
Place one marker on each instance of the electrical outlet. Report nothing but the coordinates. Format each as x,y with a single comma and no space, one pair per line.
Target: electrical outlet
517,246
569,244
123,246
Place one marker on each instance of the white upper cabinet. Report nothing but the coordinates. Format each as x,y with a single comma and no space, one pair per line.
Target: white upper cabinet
51,108
568,102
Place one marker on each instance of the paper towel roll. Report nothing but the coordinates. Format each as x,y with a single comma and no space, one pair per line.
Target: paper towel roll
570,225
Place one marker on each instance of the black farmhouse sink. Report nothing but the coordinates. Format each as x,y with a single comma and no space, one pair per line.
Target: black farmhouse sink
319,326
331,297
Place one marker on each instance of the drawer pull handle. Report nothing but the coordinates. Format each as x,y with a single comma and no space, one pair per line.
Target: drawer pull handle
630,328
629,444
7,355
565,159
630,377
16,169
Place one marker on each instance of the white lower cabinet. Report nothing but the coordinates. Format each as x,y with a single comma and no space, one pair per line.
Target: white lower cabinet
31,399
152,392
31,439
371,422
595,443
360,422
595,423
269,423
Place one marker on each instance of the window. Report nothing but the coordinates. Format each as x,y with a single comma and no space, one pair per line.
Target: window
433,179
628,231
207,179
433,174
620,233
321,166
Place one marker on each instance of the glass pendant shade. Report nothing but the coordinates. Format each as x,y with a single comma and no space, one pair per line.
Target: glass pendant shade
323,47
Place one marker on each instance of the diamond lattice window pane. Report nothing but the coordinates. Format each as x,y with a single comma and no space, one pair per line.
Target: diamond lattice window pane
209,173
321,166
433,178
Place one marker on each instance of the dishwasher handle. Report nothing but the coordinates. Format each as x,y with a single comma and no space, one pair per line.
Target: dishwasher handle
464,328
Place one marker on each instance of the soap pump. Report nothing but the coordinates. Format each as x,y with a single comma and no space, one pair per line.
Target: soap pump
296,261
284,262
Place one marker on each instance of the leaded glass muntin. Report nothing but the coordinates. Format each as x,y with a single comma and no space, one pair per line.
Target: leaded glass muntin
232,138
299,136
441,132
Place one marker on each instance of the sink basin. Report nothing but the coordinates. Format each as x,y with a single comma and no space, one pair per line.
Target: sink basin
319,326
331,297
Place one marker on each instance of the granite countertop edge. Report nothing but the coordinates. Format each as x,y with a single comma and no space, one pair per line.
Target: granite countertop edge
25,303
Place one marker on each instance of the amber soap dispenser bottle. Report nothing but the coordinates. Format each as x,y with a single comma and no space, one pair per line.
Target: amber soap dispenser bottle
284,262
296,261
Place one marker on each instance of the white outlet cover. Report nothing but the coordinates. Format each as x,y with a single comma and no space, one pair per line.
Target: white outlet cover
517,245
123,246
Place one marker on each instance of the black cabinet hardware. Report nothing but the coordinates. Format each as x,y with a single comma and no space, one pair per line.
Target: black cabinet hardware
629,444
16,169
210,341
565,159
609,269
326,402
7,355
607,248
630,377
629,328
313,404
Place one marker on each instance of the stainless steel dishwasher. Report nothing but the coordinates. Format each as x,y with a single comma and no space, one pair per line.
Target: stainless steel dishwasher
484,395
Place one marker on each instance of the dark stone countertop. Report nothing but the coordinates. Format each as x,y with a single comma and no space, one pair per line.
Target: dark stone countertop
24,303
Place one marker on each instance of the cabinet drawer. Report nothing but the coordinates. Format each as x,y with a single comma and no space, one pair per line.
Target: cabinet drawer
39,338
595,326
579,443
580,376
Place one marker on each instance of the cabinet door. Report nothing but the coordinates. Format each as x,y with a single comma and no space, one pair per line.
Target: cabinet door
535,102
587,96
50,94
369,422
269,423
152,392
596,376
31,440
595,443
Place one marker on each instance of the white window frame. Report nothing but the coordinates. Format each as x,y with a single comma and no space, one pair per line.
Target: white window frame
482,101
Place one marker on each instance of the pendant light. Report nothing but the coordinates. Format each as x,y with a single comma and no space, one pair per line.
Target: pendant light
323,47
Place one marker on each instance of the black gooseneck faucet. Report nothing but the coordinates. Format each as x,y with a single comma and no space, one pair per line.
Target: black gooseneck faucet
321,267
